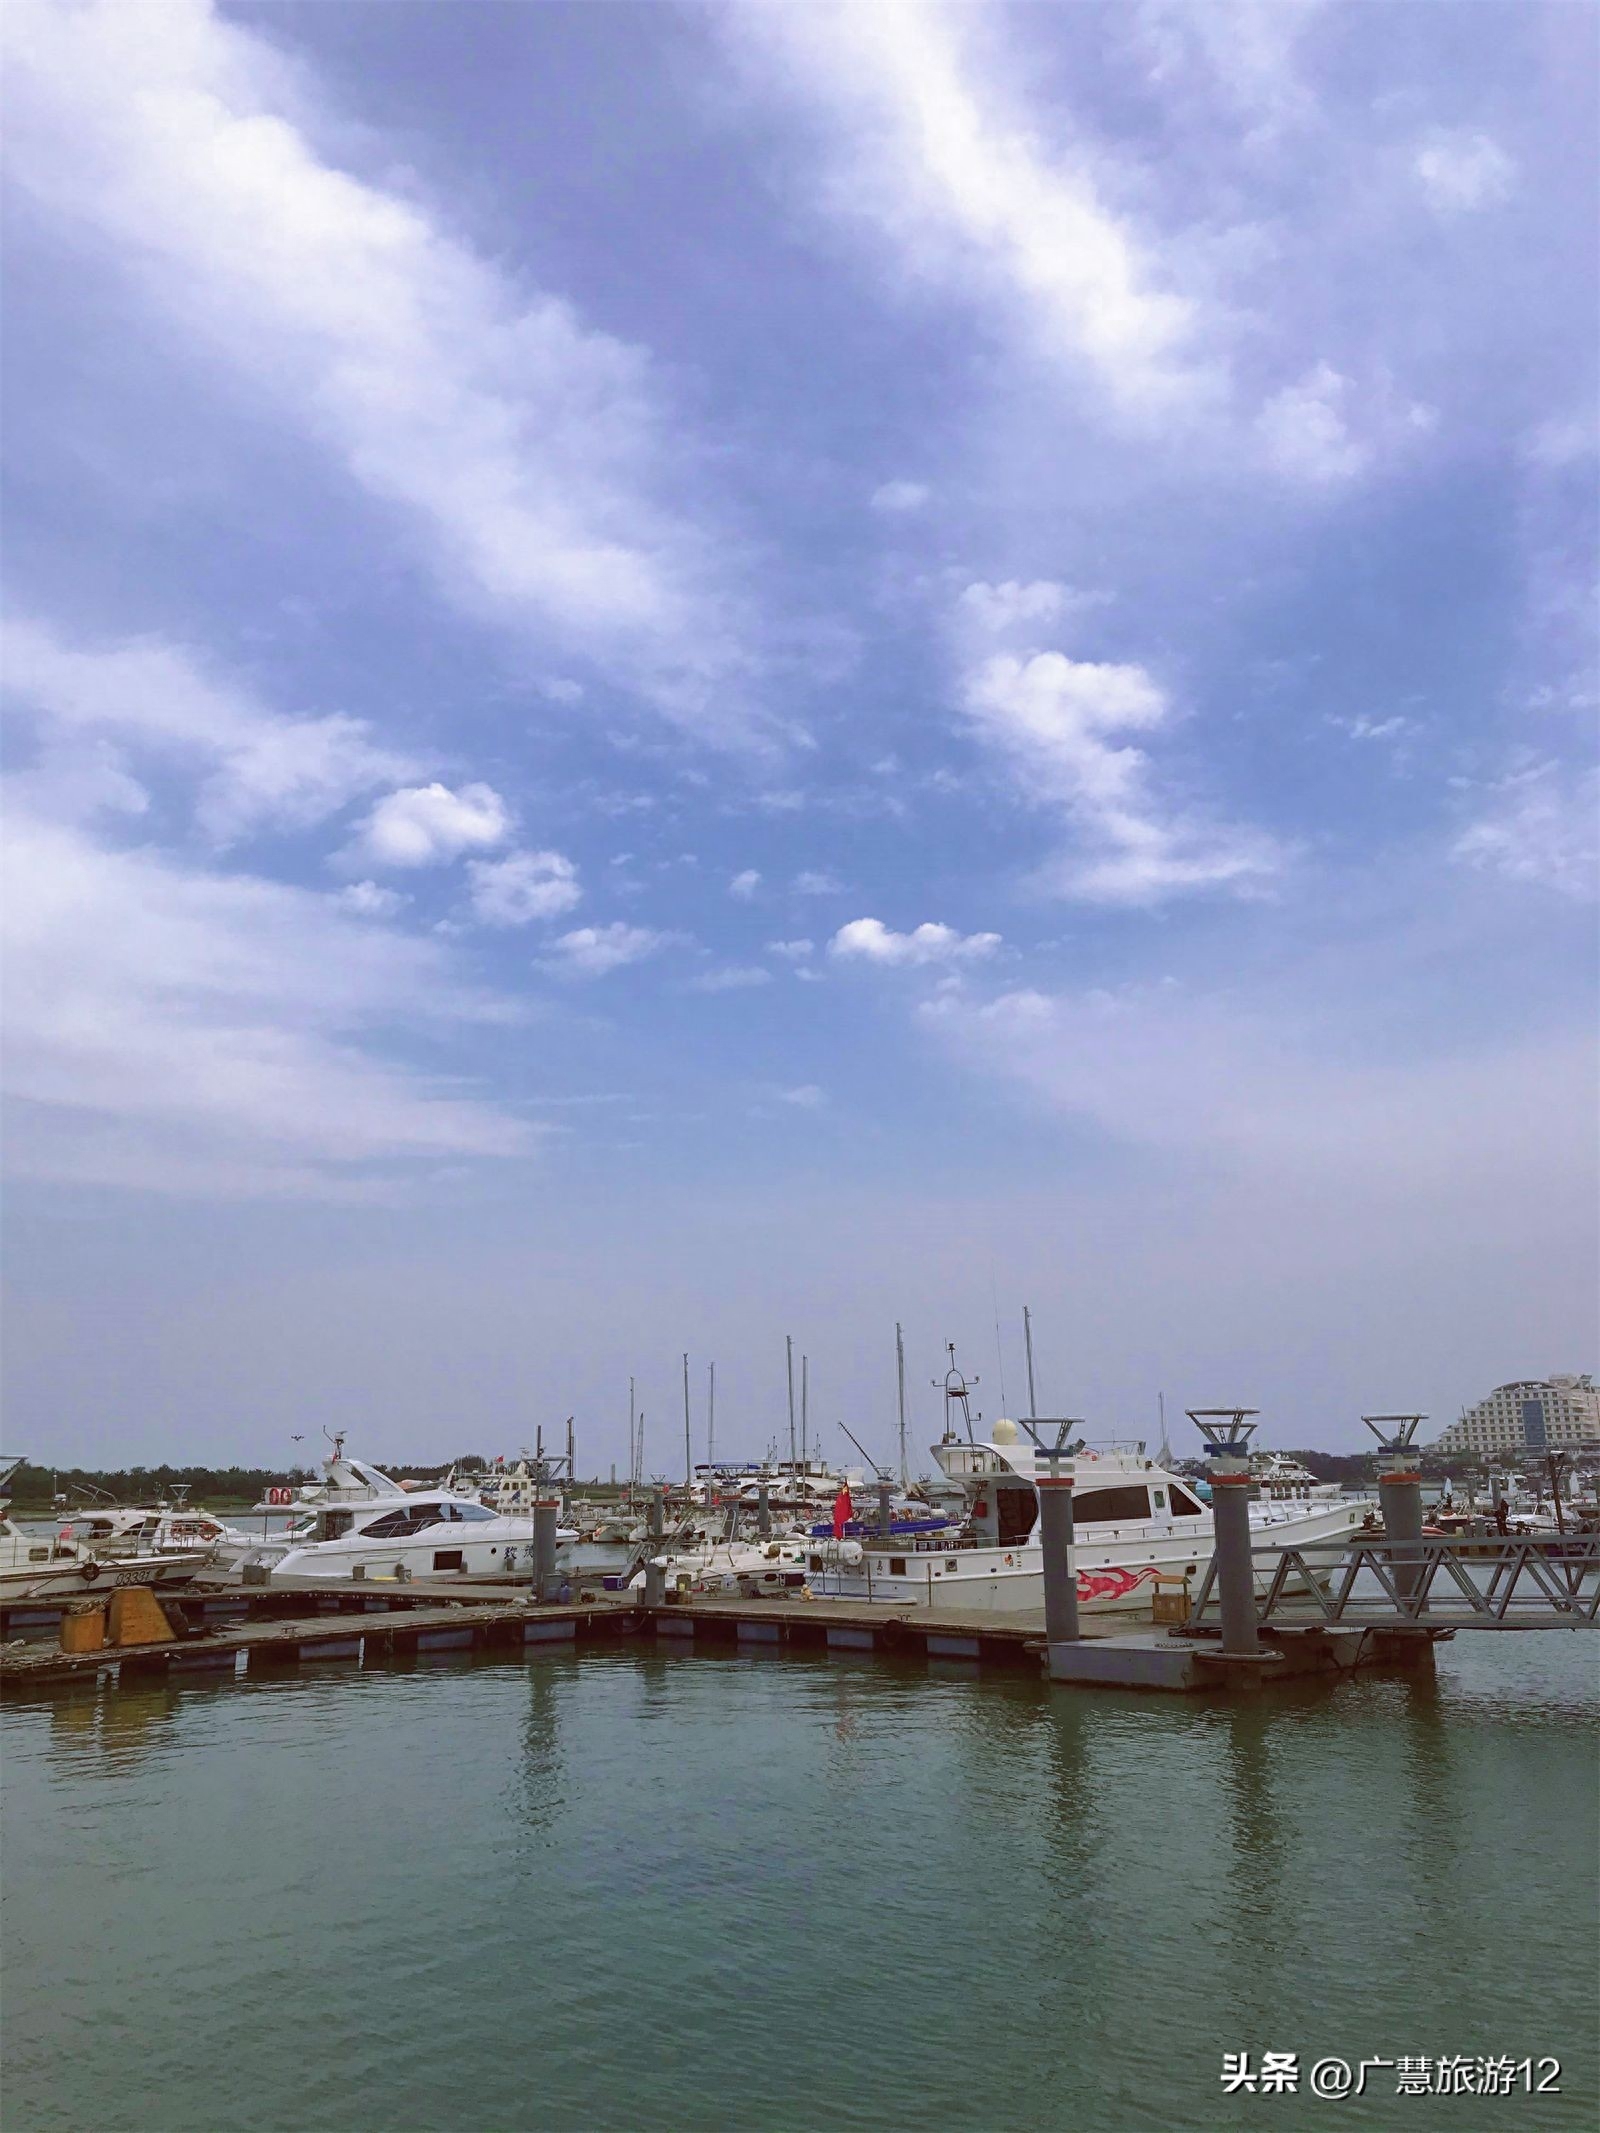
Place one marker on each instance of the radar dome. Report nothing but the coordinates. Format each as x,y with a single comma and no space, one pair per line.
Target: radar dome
1004,1432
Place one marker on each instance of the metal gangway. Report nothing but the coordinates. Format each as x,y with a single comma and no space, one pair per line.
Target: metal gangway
1375,1581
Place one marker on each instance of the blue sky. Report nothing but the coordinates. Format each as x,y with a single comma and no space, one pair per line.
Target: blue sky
679,674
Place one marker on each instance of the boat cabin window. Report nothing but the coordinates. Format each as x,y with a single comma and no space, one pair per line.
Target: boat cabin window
1183,1504
897,1566
1015,1511
334,1523
1104,1506
470,1512
392,1525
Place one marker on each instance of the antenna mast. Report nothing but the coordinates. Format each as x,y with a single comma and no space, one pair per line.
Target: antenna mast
900,1387
788,1357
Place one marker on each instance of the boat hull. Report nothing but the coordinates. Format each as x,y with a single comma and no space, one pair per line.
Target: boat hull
65,1576
1117,1574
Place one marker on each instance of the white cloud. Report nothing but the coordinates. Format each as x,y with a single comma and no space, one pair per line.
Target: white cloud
900,496
594,951
1305,432
933,151
791,951
806,1097
1460,171
735,977
184,1031
997,608
530,453
744,886
1281,1081
1543,829
868,940
1247,47
1053,721
522,887
425,825
1051,716
154,700
814,882
368,900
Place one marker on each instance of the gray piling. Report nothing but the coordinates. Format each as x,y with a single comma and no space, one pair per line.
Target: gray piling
655,1578
1231,1489
763,1508
545,1511
1400,1499
1055,1543
885,1514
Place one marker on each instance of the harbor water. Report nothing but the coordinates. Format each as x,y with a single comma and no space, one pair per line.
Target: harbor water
649,1891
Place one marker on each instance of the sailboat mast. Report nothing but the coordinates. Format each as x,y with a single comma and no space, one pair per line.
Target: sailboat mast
1027,1342
688,1447
711,1419
805,1404
900,1387
788,1357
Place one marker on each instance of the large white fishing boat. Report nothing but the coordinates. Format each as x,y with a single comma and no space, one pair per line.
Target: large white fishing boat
1134,1521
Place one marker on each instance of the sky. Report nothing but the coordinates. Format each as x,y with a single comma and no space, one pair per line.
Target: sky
679,675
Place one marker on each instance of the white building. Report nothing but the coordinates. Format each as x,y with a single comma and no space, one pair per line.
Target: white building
1532,1415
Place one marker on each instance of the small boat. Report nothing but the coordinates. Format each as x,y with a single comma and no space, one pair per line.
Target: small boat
33,1565
754,1569
119,1530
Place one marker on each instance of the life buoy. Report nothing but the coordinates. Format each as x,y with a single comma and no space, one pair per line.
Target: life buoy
89,1570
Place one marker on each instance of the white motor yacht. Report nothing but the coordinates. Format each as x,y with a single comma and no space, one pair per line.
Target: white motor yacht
1134,1523
359,1519
119,1530
33,1565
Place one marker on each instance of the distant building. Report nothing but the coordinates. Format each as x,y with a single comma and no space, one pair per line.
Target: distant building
1533,1415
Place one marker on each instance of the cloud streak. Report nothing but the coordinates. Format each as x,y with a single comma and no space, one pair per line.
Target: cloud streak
530,453
190,1032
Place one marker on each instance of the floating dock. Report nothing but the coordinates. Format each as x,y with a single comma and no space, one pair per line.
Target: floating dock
255,1630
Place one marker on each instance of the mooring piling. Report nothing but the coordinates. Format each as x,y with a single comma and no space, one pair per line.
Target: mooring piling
1228,1431
655,1578
1054,1477
545,1512
1400,1494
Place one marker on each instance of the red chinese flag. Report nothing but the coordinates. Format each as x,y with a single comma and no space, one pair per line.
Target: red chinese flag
841,1512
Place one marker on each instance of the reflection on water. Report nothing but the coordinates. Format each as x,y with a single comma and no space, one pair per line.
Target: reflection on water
652,1891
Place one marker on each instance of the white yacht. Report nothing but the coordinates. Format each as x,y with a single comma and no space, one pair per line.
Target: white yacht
121,1530
756,1568
360,1518
1134,1522
34,1565
1280,1478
